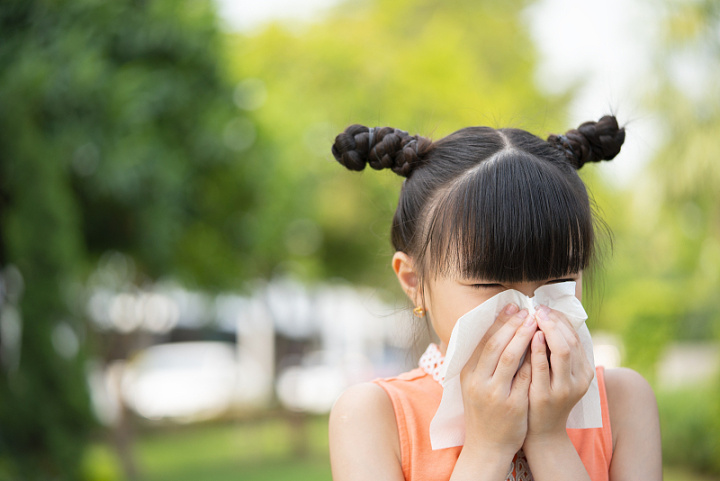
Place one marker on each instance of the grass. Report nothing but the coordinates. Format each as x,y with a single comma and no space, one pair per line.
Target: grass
269,449
254,450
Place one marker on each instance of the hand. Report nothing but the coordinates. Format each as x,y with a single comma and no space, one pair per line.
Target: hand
559,380
495,392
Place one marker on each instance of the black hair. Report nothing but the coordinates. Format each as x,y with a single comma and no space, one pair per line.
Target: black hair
494,204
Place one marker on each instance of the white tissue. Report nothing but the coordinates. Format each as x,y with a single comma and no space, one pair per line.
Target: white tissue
447,428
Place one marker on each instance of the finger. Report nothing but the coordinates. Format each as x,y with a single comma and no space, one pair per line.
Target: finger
579,364
523,377
562,319
560,353
505,315
493,345
539,362
571,336
507,312
509,361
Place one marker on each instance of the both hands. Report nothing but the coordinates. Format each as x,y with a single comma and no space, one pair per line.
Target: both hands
507,408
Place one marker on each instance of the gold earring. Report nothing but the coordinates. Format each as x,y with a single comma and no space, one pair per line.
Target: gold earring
419,311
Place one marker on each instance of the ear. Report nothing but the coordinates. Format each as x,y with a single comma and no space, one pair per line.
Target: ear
408,277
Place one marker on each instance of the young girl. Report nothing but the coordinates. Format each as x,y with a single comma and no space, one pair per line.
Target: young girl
482,211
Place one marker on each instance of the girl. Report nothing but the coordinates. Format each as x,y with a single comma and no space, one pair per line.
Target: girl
482,211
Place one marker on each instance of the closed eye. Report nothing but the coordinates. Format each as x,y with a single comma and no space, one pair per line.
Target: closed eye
495,285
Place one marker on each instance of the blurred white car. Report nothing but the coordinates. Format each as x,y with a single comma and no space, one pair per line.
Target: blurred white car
191,381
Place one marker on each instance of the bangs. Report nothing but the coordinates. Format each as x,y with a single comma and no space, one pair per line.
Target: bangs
512,218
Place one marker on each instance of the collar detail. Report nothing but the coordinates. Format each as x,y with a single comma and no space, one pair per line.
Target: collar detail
432,361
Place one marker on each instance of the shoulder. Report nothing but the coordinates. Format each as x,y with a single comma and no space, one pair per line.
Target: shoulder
627,390
619,380
635,425
631,400
364,440
361,402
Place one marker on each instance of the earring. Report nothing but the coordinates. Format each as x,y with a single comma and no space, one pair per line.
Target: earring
419,311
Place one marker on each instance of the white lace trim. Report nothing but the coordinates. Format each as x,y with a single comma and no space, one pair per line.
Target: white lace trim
431,362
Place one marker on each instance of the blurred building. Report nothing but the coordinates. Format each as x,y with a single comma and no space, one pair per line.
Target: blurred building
172,354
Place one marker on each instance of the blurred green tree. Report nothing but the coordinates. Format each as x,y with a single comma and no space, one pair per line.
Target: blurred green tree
688,173
117,132
664,282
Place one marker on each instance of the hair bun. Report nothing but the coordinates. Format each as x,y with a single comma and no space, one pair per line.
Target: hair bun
591,141
381,147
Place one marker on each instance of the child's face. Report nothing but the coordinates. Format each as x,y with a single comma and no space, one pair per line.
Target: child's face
449,298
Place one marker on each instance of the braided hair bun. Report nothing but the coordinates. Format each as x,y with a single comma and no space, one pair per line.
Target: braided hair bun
591,142
381,147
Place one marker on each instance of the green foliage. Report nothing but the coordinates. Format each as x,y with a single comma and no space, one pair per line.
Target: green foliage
690,422
131,102
664,277
111,137
663,283
100,464
687,171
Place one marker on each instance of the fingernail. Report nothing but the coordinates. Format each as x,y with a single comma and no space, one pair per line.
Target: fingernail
542,313
511,309
522,314
529,321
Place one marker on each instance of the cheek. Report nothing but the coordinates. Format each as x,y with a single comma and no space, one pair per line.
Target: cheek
445,310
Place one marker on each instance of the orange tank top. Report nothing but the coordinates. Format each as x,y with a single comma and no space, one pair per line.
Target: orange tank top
415,397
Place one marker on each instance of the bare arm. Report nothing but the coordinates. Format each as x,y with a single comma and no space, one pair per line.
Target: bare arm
364,440
636,427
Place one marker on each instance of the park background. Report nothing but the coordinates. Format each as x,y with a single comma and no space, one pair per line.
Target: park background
188,278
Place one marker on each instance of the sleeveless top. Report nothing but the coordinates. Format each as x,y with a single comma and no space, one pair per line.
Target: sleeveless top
415,397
